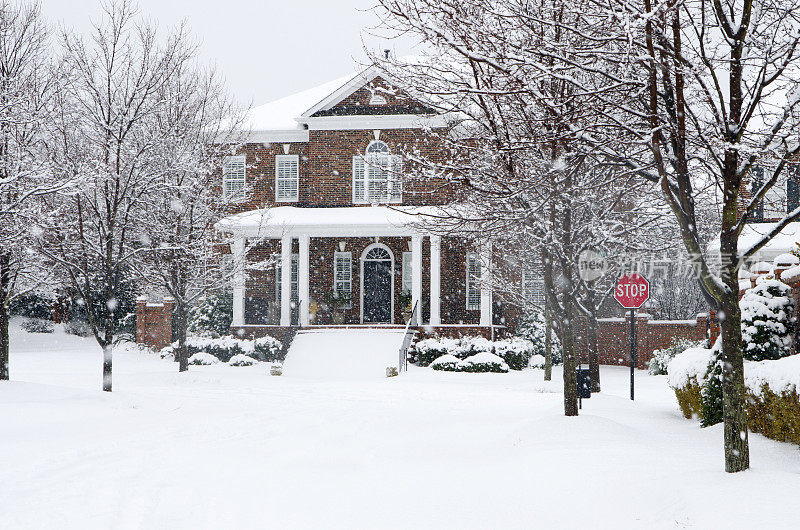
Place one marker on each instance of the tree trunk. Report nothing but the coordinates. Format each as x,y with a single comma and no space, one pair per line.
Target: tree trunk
5,296
107,351
594,356
180,327
568,353
591,338
737,451
548,343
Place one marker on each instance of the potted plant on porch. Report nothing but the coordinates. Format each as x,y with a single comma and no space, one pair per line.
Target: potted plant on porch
337,303
404,298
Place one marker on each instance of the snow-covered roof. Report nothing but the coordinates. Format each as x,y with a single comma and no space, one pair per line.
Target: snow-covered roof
282,114
348,221
783,243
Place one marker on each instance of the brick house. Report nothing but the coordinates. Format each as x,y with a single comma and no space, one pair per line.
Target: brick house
332,231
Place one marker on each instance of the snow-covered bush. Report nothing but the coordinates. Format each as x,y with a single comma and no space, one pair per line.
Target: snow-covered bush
478,363
79,327
37,325
483,362
661,358
537,362
203,358
767,321
425,351
515,351
212,317
32,305
268,349
773,400
242,360
696,377
446,363
533,329
473,345
223,348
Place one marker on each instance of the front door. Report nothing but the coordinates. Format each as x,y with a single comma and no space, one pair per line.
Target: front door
378,291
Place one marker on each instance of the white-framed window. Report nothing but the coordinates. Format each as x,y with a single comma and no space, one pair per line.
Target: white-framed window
287,178
533,289
234,169
343,275
295,292
377,176
407,264
473,281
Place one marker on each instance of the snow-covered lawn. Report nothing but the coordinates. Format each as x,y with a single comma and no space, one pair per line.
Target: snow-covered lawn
232,447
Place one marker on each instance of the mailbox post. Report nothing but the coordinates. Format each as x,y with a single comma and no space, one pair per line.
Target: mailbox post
632,291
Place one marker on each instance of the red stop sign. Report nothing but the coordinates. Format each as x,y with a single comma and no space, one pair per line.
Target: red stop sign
632,291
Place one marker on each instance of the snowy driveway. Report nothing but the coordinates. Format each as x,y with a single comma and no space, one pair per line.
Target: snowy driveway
227,447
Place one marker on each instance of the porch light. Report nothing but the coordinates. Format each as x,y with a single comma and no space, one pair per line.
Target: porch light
342,246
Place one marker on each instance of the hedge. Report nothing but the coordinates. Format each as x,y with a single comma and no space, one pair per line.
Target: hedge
224,348
772,402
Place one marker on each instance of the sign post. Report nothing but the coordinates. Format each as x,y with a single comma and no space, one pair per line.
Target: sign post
632,291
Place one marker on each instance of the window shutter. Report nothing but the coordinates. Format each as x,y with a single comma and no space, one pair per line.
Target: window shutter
396,179
792,188
757,182
359,180
473,279
406,282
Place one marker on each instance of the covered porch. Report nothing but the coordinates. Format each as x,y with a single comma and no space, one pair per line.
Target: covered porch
382,256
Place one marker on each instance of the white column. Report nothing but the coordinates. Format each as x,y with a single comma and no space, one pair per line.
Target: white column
436,280
238,281
416,276
286,281
303,264
486,288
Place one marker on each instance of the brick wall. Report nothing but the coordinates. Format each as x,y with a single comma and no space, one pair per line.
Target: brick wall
154,323
613,337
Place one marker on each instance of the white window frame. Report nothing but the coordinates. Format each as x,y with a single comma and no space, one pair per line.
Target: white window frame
405,283
348,256
233,185
533,289
378,167
473,303
295,283
294,162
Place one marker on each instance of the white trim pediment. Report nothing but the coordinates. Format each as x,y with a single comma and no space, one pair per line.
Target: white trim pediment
343,92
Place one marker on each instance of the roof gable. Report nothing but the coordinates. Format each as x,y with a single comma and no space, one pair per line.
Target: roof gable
368,94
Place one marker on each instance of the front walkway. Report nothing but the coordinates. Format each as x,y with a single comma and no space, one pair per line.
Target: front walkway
225,447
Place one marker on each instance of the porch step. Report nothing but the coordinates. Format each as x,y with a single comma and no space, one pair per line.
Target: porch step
345,353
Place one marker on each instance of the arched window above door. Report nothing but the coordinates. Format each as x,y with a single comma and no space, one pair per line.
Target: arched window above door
377,176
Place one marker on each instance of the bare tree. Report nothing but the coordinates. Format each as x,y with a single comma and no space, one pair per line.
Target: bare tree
25,88
529,184
196,126
113,83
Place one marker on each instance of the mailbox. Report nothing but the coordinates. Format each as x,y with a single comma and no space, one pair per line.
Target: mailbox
584,380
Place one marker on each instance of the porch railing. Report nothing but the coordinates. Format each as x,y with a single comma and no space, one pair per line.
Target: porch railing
402,361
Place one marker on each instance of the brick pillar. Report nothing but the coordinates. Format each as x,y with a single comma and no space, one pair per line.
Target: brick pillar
141,320
713,326
166,319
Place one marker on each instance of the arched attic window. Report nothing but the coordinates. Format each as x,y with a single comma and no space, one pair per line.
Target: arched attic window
377,176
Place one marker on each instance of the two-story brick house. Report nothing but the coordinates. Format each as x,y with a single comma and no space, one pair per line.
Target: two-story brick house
330,225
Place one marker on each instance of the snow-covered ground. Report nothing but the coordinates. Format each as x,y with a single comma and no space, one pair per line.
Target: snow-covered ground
232,447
